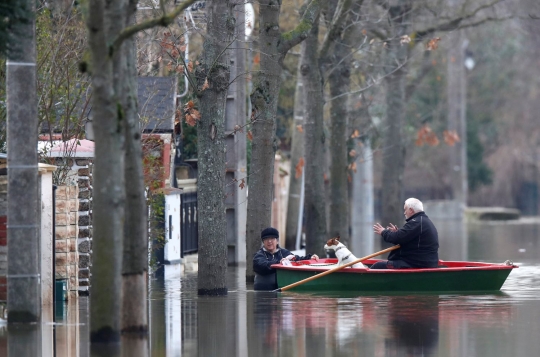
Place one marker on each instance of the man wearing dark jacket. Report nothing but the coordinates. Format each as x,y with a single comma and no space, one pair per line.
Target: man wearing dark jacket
418,240
271,253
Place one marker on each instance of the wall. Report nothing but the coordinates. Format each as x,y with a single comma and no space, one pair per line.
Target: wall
66,234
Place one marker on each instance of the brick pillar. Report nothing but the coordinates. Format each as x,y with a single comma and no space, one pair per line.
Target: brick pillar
66,229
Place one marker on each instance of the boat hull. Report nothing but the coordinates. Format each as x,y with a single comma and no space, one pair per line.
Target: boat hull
454,277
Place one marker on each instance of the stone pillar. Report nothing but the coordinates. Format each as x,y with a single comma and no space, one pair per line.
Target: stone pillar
67,260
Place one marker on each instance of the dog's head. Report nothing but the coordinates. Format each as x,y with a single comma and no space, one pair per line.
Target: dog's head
332,243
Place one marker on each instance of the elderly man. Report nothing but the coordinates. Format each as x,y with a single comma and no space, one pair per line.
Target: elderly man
418,239
271,253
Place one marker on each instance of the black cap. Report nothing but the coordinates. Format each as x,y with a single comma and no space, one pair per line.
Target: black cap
269,233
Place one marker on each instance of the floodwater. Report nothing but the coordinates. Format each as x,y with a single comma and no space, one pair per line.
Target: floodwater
249,323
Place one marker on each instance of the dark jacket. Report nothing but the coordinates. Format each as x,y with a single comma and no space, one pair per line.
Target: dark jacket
419,242
265,277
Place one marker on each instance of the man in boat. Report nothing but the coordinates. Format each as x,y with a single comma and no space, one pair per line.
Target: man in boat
418,239
271,253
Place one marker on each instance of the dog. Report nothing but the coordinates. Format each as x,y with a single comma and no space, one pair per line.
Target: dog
343,254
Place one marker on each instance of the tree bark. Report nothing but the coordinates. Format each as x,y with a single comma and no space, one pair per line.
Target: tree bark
264,100
108,212
135,247
297,155
24,294
339,83
273,47
215,68
394,147
315,205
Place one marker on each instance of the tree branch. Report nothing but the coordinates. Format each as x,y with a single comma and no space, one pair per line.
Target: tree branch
454,23
164,21
300,32
336,26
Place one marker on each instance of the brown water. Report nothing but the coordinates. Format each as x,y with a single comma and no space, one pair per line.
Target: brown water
249,323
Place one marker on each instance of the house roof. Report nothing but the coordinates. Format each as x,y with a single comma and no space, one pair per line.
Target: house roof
157,104
72,148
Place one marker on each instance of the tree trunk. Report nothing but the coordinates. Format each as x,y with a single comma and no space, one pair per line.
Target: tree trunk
135,247
315,204
297,156
394,147
264,100
108,209
215,68
339,82
24,294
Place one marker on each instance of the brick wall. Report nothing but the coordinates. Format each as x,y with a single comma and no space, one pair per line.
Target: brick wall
66,234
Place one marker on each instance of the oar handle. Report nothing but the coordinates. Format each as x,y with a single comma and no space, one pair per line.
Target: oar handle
290,286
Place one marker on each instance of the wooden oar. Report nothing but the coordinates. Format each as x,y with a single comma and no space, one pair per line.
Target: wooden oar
290,286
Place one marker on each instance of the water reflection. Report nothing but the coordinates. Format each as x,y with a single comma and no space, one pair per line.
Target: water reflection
249,323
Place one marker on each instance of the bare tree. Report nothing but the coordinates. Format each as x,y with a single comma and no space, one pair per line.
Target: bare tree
135,247
213,80
107,20
274,45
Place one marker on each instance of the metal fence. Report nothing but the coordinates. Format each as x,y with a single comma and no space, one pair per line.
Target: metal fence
189,224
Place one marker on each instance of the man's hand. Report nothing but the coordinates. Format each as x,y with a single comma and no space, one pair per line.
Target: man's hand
392,228
377,228
315,257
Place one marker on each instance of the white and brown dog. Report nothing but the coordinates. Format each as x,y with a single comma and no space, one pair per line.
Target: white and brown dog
343,254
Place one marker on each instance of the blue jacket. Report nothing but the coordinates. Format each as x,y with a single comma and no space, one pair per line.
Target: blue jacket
419,242
265,277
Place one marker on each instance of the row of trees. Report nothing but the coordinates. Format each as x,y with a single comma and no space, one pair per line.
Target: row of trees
349,47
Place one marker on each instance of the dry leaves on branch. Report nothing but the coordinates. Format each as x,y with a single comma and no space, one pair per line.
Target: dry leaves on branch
352,153
451,137
249,135
352,166
205,85
237,128
299,128
404,39
192,115
299,168
242,184
426,136
433,44
355,134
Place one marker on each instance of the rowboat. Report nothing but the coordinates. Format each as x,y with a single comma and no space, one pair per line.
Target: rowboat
450,276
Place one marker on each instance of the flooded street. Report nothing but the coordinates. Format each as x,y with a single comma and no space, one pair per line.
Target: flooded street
249,323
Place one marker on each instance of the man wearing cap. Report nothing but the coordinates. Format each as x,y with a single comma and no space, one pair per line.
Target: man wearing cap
271,253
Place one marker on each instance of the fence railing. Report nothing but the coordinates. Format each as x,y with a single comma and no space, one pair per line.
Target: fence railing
189,224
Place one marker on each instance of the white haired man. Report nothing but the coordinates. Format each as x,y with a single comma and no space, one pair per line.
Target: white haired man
418,240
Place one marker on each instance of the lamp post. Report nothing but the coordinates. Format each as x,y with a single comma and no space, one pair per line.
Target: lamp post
459,60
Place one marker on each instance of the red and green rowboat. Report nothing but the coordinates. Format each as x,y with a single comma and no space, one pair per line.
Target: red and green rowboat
450,276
